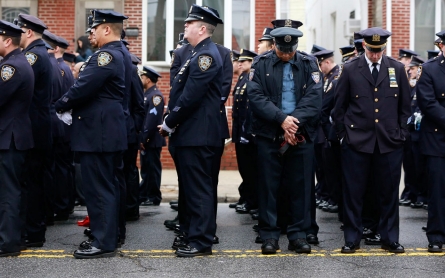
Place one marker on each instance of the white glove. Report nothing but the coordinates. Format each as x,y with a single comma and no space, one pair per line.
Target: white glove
66,117
244,140
166,128
330,119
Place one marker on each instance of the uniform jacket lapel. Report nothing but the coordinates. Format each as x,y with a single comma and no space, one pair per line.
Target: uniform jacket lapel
383,72
364,69
442,63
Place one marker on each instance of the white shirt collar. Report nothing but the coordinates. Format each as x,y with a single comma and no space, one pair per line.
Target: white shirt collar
369,61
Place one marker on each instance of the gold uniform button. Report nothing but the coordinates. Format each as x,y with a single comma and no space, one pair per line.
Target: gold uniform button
148,140
443,94
352,125
356,96
395,95
375,89
220,111
376,120
435,129
377,110
376,100
79,117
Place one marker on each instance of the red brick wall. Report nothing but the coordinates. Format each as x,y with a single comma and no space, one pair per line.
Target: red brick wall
133,9
400,25
384,14
264,14
370,13
60,19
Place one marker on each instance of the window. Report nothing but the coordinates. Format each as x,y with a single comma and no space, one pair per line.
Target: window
9,14
164,20
424,26
377,13
12,8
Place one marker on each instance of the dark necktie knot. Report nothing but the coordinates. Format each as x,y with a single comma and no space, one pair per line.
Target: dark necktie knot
375,72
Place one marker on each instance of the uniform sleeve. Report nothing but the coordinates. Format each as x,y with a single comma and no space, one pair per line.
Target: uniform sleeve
9,86
260,103
228,76
153,117
327,106
137,101
90,80
404,101
197,86
427,99
175,65
308,107
341,99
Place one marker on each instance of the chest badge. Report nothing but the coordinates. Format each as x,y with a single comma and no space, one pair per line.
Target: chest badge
31,57
392,78
7,72
103,59
316,76
204,62
157,100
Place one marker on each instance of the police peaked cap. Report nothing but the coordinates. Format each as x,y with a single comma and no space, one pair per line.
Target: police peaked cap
324,54
134,59
150,73
246,55
30,22
416,61
286,38
9,29
407,53
316,48
266,35
69,57
235,55
106,16
347,51
432,53
55,40
375,38
204,14
277,23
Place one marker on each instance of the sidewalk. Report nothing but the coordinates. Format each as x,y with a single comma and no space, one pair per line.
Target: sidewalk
227,187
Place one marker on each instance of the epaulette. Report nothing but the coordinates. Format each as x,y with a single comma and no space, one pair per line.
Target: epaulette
431,60
391,58
262,56
352,60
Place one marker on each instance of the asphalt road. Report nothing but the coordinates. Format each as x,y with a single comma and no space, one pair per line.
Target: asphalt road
147,252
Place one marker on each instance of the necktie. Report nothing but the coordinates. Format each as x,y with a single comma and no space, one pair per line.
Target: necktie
375,72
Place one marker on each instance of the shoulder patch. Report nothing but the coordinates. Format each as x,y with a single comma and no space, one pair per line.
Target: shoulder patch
204,62
340,70
103,59
251,74
419,72
63,72
173,58
157,100
316,76
31,57
7,72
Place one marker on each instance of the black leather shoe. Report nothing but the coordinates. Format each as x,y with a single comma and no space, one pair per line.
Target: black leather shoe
255,216
30,243
367,233
349,248
148,203
375,240
416,205
256,228
173,202
331,208
323,204
132,217
424,228
243,209
394,247
270,246
88,233
61,217
233,205
401,201
189,251
312,239
258,239
120,242
253,211
174,207
342,227
171,224
299,246
435,247
177,230
9,254
93,253
180,241
84,245
405,203
317,202
425,206
215,240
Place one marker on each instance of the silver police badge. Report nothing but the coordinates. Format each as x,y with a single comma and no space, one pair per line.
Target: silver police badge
7,72
157,100
204,62
31,57
287,38
104,58
316,76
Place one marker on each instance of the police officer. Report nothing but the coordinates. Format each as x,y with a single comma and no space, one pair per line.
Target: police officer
194,109
285,104
405,56
151,141
244,145
179,56
266,41
38,160
432,54
430,99
17,86
370,114
99,131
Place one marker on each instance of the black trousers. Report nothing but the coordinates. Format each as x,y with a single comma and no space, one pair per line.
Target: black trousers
246,157
151,169
215,173
435,230
63,177
36,164
131,174
321,187
122,201
385,170
291,172
101,190
11,173
195,168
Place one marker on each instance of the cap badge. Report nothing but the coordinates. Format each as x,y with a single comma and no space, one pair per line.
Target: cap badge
31,57
204,62
103,59
287,38
288,23
376,38
7,72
